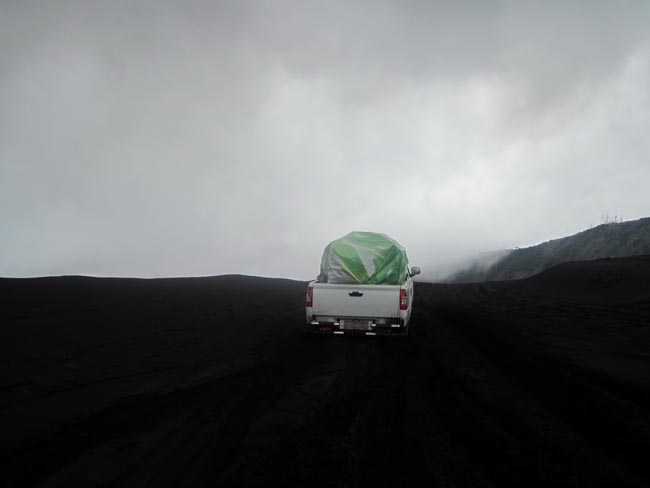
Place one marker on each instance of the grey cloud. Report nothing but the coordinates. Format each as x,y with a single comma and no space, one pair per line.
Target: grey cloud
163,138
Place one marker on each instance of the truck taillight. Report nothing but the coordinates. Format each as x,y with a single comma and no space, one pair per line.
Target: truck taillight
403,299
309,298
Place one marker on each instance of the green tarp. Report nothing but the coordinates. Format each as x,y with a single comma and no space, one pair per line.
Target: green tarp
364,258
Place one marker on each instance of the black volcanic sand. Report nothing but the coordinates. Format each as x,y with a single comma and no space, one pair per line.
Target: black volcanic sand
211,381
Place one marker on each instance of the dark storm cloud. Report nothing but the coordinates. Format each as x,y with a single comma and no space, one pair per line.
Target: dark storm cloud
163,138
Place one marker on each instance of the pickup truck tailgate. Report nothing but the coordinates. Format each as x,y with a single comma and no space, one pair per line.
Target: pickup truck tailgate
360,301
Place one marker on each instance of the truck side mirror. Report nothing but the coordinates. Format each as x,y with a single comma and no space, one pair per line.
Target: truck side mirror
415,270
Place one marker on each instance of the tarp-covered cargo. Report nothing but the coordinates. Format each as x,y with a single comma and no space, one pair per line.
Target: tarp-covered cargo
364,258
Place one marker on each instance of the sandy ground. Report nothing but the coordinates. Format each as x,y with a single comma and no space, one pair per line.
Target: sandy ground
212,381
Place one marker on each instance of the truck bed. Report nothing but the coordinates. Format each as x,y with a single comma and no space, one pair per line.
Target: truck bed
355,301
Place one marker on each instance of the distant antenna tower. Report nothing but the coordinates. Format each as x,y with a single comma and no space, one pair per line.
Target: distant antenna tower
606,219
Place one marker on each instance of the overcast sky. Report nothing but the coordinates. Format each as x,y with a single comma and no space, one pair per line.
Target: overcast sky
196,138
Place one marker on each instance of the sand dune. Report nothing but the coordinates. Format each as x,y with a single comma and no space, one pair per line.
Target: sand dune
211,381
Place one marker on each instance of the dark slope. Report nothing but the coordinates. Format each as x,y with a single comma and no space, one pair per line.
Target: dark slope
621,239
194,382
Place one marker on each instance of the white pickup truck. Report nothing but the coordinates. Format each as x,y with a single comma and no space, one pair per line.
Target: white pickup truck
360,309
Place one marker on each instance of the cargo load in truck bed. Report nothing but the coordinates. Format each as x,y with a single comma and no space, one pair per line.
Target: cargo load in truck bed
365,258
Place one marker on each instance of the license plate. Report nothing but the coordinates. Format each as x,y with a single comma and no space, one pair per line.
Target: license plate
355,324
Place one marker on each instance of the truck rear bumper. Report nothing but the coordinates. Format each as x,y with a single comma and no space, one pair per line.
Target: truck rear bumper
358,328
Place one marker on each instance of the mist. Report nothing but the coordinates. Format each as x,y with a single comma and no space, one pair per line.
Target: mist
166,139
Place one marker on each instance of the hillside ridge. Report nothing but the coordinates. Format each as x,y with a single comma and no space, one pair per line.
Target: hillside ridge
610,240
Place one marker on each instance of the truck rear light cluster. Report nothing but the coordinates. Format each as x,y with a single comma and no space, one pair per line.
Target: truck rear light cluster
309,297
403,300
